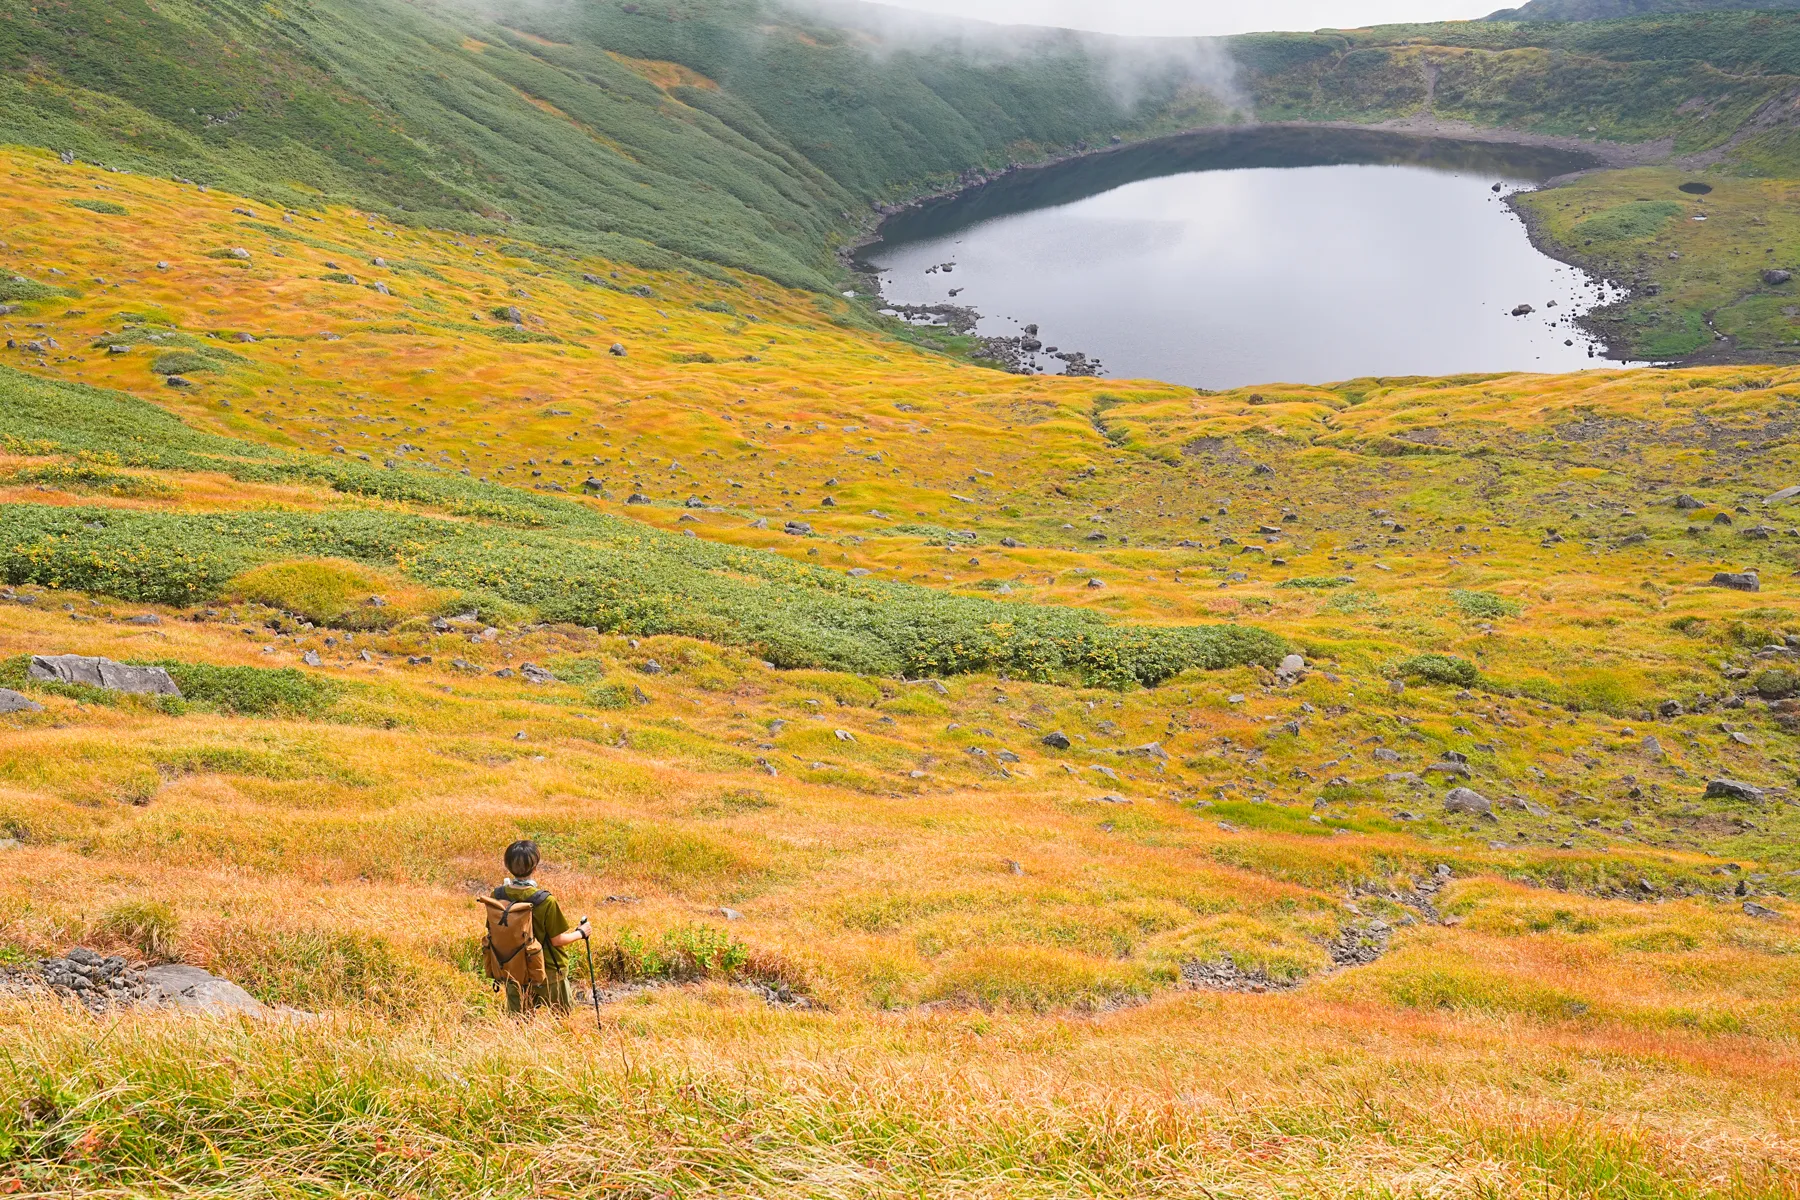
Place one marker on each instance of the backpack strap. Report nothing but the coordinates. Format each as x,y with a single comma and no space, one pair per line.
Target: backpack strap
536,899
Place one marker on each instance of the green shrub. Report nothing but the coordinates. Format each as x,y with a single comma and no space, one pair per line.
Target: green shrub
338,277
182,362
16,289
511,333
253,691
1485,605
716,306
103,207
689,953
1778,683
609,696
1318,582
1440,668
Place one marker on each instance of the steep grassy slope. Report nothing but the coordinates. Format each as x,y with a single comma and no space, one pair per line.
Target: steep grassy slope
865,936
733,132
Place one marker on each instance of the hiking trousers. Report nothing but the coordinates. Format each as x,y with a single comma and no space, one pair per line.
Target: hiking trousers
554,992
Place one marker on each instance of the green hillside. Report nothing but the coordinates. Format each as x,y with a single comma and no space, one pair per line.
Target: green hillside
1608,10
735,133
559,127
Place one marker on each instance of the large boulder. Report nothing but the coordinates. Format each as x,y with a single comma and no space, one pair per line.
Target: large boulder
193,990
12,702
1732,789
102,673
1740,581
1468,800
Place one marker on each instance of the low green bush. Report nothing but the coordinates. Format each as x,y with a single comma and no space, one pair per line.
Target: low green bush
1440,668
1485,605
252,691
688,953
182,362
103,207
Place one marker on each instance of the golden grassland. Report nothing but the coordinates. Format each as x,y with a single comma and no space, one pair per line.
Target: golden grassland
963,973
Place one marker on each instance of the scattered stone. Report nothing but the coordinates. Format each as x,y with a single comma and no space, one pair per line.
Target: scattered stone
1687,503
637,498
1775,277
1057,741
102,673
1745,581
652,667
536,674
311,659
616,350
1753,909
1732,789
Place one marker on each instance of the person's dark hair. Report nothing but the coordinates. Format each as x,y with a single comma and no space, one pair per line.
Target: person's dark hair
522,859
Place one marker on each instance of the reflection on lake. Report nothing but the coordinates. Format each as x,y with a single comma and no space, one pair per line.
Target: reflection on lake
1273,255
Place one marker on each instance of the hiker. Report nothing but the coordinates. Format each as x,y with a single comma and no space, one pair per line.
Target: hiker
527,937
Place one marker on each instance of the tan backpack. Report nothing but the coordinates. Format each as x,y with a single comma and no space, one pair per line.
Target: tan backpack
511,950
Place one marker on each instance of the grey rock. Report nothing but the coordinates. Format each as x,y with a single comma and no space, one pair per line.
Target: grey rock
1732,789
1687,503
1775,276
1651,747
1738,581
616,350
1152,750
1753,909
1383,754
1786,493
1670,708
311,659
1467,800
102,673
191,989
1057,741
652,668
536,674
13,702
637,498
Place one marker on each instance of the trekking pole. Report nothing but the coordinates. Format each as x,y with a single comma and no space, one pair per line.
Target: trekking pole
593,988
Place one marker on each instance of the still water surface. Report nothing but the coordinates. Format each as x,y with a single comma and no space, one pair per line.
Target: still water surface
1229,260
